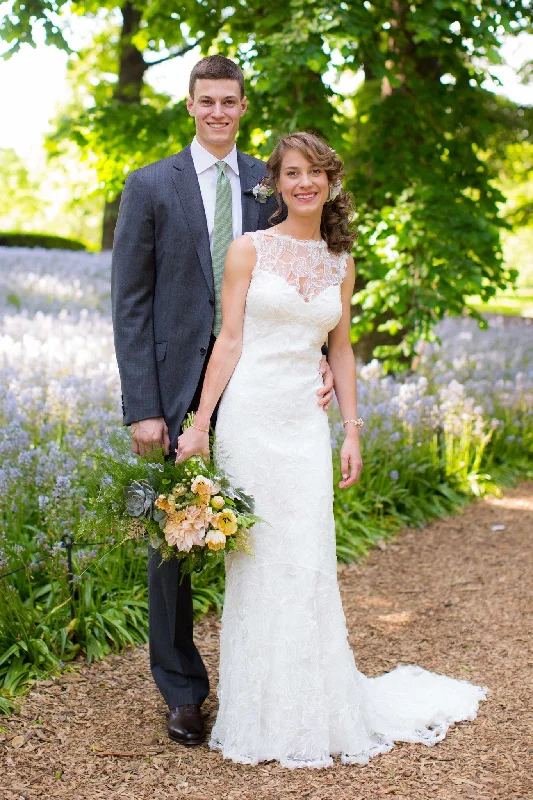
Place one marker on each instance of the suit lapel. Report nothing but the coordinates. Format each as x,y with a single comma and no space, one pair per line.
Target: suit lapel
186,182
250,176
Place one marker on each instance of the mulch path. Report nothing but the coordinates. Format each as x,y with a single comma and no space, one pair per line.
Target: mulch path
454,598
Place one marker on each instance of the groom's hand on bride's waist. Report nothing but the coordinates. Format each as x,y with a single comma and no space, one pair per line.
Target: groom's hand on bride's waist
325,394
150,434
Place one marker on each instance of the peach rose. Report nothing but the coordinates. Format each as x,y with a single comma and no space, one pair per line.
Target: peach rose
196,514
202,486
185,529
209,515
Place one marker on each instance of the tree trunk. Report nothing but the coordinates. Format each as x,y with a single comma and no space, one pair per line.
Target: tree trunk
109,222
364,347
128,90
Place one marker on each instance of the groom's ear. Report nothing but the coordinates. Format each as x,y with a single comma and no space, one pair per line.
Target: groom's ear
190,103
244,105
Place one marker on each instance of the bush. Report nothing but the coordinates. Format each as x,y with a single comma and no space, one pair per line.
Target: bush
46,240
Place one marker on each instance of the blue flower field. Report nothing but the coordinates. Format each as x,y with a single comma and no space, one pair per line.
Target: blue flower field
458,426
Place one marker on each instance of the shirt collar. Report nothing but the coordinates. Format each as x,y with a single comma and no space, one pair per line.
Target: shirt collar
203,159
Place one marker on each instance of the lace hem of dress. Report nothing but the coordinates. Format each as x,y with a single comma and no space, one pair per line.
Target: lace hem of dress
428,736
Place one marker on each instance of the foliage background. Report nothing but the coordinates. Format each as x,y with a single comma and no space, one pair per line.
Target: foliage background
440,167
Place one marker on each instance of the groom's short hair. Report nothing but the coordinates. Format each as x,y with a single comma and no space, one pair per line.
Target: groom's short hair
216,68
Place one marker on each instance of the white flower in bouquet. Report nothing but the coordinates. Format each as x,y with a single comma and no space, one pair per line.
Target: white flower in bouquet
215,539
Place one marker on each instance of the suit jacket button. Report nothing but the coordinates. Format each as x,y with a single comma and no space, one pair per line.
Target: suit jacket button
203,351
212,303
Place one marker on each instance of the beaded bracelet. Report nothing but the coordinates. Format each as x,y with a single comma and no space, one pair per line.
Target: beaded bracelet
357,422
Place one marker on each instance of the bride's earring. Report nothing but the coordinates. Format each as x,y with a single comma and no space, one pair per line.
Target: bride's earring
334,191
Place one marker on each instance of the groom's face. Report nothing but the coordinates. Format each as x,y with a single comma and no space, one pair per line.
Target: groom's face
217,107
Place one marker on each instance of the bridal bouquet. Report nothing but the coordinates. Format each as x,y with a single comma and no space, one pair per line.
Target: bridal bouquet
190,511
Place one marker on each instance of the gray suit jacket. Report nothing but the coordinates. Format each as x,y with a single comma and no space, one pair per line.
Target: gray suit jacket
162,284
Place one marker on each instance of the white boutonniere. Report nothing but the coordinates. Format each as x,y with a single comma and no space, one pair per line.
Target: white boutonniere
262,191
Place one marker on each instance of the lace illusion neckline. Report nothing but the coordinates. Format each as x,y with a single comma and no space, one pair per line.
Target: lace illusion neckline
293,238
304,264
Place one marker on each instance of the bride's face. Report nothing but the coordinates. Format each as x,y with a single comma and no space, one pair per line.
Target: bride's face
304,186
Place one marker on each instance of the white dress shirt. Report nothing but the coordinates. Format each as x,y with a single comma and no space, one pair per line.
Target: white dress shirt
204,164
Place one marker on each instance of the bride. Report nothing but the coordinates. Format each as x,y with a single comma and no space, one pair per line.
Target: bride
289,689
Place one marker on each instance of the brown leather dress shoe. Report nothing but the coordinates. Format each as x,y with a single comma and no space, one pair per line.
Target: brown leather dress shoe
185,725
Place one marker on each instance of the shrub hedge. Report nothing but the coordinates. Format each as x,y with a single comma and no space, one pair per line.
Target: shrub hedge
46,240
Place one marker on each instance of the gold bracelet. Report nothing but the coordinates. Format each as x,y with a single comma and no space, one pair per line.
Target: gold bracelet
200,429
357,422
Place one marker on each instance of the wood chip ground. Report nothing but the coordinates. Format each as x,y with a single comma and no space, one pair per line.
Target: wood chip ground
455,597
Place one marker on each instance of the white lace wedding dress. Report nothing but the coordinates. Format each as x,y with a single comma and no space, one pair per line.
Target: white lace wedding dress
289,689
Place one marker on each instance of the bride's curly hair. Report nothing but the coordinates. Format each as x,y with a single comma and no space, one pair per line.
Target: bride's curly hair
335,226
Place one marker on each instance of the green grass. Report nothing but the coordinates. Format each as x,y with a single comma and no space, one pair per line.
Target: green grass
518,303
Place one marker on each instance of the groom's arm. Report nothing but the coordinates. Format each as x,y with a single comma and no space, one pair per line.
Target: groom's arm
133,277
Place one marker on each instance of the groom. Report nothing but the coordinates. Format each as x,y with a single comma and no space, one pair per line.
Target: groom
177,219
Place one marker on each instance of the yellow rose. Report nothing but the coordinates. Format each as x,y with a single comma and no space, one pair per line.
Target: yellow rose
217,502
215,540
227,522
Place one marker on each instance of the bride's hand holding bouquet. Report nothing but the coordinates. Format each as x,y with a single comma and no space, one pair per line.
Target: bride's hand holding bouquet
194,441
188,510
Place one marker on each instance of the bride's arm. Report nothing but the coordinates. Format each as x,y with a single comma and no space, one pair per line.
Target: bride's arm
342,362
240,262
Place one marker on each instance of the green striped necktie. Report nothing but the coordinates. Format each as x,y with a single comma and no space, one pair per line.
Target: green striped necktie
222,237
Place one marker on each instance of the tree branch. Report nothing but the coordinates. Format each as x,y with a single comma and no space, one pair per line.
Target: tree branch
174,55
